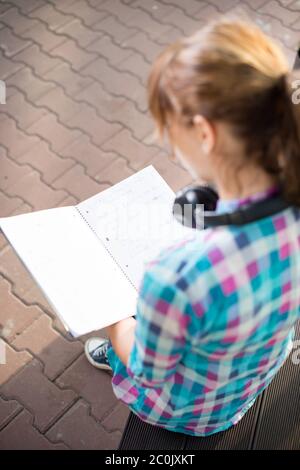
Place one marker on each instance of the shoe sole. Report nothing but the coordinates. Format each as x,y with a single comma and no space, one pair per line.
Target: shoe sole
94,363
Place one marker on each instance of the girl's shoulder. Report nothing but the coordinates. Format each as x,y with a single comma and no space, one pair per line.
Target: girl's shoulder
178,259
202,250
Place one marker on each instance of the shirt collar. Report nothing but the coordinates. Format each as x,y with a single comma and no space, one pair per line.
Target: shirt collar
229,205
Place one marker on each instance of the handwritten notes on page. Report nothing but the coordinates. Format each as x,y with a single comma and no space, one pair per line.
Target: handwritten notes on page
134,221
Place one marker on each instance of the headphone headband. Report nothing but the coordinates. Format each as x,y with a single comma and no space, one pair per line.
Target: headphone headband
206,196
245,214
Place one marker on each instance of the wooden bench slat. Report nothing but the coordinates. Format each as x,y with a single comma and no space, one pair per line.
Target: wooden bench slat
139,435
279,420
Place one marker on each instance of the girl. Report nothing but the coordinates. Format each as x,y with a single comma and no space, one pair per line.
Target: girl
215,315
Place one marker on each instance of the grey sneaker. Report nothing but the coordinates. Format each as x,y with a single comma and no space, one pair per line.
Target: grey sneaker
96,352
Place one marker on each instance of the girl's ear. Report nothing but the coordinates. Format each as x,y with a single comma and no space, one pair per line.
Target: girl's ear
205,132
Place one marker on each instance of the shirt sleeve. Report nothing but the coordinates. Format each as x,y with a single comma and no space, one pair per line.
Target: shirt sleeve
160,334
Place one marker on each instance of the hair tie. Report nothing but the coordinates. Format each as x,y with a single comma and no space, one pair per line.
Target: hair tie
282,80
279,84
281,91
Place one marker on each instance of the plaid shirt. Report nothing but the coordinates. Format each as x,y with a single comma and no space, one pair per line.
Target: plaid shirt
215,321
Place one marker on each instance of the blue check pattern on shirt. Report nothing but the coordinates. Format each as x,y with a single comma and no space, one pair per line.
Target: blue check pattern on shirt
215,322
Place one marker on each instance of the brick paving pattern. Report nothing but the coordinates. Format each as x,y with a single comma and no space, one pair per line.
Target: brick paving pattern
74,123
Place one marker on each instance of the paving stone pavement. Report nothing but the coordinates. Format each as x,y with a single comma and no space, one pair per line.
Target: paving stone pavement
74,123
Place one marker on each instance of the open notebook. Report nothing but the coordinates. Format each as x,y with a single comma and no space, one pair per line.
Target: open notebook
89,259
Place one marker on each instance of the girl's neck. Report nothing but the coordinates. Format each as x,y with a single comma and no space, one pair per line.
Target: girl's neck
251,183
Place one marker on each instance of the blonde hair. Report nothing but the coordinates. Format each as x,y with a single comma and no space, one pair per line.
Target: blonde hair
233,72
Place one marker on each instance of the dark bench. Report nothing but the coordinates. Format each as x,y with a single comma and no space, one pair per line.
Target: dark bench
272,423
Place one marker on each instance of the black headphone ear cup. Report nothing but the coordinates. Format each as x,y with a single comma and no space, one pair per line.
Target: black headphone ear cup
194,195
207,196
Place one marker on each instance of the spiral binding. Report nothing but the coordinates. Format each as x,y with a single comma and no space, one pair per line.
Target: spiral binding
108,251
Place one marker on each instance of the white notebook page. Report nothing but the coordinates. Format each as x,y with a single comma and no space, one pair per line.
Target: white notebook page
134,220
79,278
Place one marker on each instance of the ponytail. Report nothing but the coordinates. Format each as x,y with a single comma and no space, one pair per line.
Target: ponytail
290,144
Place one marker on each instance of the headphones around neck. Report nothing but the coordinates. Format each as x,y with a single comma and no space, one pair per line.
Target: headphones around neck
186,208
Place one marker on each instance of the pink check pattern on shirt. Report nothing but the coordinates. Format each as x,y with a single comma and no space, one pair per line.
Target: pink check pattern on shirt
215,322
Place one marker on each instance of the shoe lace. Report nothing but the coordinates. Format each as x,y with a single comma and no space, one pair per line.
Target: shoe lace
100,350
